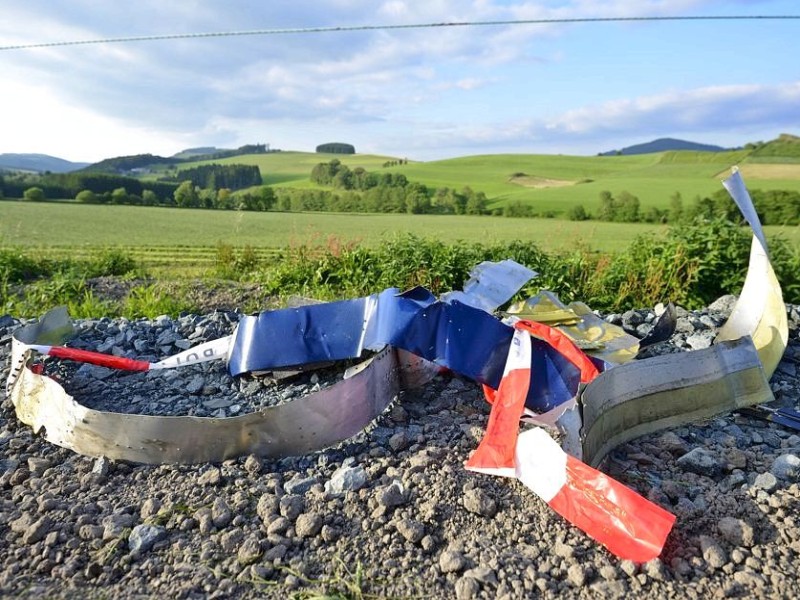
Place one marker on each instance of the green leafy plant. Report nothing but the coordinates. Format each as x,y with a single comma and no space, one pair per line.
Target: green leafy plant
151,301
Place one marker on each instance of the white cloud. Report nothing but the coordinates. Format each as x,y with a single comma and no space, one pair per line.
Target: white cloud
415,88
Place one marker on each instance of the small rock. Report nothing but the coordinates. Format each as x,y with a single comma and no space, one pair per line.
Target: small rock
398,441
766,481
221,514
563,550
786,467
346,479
577,575
231,540
101,466
90,532
212,476
250,551
391,495
736,531
700,340
37,465
713,553
253,464
451,561
655,569
300,485
467,588
268,506
672,443
279,525
291,506
37,530
308,525
277,552
479,502
150,508
629,567
411,530
482,574
144,537
700,461
195,385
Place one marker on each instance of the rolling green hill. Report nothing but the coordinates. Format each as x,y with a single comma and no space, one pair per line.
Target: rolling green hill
554,183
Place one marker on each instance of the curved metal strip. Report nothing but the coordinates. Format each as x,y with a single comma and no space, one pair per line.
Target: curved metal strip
760,312
298,427
644,396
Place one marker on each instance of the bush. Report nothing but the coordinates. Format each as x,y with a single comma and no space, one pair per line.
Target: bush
34,194
691,266
578,213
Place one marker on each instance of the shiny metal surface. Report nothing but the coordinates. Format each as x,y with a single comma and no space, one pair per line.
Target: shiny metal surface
644,396
304,425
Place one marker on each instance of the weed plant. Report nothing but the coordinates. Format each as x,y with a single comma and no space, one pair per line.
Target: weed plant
691,266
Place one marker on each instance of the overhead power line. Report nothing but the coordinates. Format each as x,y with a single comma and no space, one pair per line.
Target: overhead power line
337,29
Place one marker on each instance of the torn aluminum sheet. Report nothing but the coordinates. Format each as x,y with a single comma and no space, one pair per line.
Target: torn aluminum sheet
488,285
298,427
760,311
648,395
662,329
454,335
598,338
413,320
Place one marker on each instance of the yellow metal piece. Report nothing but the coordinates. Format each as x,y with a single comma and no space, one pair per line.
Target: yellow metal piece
760,311
589,332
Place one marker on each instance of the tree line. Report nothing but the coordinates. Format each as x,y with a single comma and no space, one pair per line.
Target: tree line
774,207
216,177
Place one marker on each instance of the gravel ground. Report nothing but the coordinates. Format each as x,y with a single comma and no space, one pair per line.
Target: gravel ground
389,513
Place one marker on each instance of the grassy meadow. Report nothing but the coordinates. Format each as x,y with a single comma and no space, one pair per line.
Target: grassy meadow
179,242
552,182
186,240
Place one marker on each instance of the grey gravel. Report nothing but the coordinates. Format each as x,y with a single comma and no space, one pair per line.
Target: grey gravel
393,502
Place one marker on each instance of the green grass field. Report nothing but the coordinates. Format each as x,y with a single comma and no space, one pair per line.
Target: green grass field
654,178
71,224
184,241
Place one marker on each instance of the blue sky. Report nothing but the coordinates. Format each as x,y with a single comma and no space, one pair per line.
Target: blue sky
418,93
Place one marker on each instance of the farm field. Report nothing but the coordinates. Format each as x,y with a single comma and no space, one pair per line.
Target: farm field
175,239
552,183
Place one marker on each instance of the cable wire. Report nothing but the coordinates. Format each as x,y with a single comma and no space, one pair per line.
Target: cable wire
339,29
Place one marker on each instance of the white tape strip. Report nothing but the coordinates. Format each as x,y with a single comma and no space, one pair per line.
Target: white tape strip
541,465
212,350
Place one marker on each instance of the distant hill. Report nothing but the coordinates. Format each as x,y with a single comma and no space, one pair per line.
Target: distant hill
38,163
664,145
785,146
190,153
129,164
140,164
